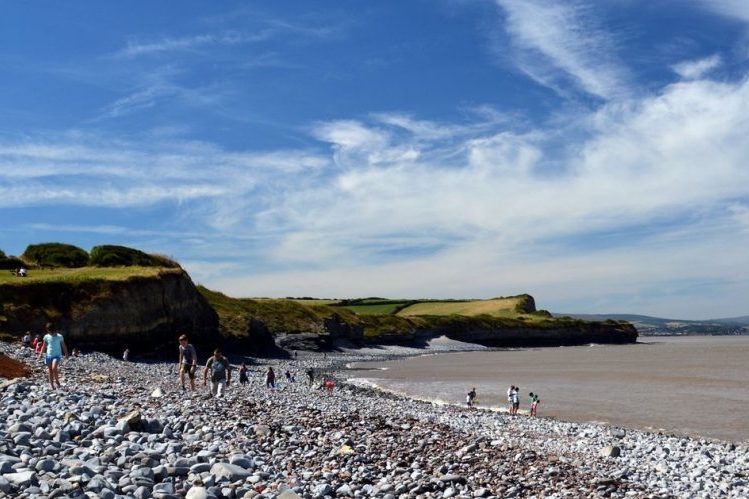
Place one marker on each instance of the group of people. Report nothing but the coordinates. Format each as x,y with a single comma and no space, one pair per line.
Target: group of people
19,272
219,369
217,366
513,399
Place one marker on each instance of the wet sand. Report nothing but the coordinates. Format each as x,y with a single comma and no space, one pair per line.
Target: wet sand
683,385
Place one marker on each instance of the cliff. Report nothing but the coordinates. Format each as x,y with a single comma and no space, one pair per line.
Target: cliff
146,309
297,326
144,313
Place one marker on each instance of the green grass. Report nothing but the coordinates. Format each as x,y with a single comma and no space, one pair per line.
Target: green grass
497,307
315,301
376,308
82,274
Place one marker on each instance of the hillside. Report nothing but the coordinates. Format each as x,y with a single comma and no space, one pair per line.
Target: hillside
146,307
307,323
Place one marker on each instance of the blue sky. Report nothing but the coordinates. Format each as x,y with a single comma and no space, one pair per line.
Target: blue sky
592,154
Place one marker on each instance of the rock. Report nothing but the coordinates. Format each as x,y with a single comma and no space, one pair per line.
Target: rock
22,478
19,428
45,465
286,494
200,468
230,471
322,490
343,490
197,492
262,430
5,486
157,393
161,489
452,478
133,420
661,467
618,432
241,461
611,451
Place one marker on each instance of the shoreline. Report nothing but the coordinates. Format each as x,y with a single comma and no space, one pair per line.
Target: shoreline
356,440
401,353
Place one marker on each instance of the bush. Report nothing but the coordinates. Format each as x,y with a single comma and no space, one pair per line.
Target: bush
122,256
10,262
55,255
543,313
164,261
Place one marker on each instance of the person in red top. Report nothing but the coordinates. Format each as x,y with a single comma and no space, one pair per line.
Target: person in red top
38,344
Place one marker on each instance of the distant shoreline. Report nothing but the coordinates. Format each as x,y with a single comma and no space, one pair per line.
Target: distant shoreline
456,398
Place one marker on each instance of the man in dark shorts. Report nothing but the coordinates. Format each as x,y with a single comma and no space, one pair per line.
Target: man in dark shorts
188,362
220,370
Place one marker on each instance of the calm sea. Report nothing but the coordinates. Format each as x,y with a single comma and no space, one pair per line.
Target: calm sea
695,385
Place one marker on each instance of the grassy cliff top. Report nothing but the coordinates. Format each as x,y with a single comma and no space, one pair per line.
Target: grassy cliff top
82,274
498,307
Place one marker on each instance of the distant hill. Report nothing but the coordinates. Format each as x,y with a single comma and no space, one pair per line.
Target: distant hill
648,325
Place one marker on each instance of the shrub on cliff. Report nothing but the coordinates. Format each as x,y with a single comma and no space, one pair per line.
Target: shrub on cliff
10,262
122,256
55,255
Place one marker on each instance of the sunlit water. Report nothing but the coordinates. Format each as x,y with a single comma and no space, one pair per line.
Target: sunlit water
696,385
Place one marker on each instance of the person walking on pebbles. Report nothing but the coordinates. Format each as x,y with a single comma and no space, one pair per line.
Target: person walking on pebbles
470,397
220,370
243,377
270,378
55,349
188,362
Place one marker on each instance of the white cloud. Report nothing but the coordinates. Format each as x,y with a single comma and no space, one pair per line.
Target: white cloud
641,196
737,9
137,48
557,40
696,69
483,217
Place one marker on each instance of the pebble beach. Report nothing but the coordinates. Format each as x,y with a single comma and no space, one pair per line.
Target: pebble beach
126,429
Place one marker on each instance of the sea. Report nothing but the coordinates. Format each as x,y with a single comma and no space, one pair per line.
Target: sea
687,385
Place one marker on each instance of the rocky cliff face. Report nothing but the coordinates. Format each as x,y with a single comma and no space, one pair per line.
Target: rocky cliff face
465,329
143,313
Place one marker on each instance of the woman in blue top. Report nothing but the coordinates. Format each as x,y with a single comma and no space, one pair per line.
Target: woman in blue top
55,347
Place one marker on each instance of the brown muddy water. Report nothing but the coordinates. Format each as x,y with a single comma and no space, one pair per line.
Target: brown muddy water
695,385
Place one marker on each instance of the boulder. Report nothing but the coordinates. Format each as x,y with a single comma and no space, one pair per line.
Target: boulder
230,471
22,478
611,451
133,420
197,492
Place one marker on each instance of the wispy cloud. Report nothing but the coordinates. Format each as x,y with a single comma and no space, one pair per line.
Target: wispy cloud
397,205
555,41
266,30
137,48
90,170
157,85
697,68
736,9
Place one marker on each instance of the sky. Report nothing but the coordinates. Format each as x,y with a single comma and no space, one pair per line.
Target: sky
594,154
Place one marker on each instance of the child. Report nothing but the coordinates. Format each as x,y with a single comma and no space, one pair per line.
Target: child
534,402
56,348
